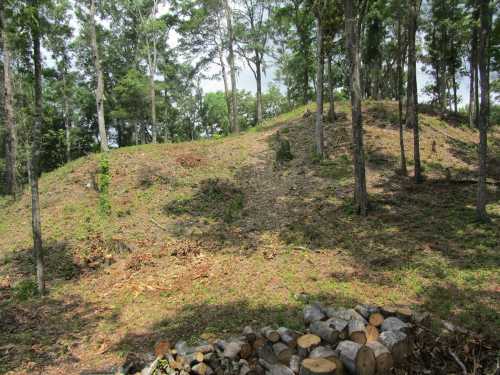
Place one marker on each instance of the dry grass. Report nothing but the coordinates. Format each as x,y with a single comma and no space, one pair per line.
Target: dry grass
246,238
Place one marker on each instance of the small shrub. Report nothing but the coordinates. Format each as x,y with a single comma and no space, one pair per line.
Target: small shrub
103,184
284,150
25,289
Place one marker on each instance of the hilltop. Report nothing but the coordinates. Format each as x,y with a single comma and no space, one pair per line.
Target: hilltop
206,236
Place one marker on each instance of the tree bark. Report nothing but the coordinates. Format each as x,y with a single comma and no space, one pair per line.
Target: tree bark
331,91
67,121
100,80
35,153
232,66
412,99
226,86
404,170
258,77
318,131
352,40
473,89
484,110
11,138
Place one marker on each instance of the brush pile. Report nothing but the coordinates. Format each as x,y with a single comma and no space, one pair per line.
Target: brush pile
364,340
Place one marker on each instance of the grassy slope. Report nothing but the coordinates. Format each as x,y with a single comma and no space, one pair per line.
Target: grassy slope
253,241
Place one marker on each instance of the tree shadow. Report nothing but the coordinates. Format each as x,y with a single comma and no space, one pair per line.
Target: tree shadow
41,332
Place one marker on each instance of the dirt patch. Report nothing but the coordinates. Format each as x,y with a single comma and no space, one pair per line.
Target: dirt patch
190,161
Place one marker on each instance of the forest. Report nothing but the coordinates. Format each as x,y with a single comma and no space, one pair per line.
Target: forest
362,132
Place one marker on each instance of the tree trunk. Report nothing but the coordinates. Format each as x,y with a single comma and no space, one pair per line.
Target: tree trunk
331,91
484,111
152,93
67,121
232,66
35,154
226,88
352,40
412,99
11,136
258,76
404,170
473,90
100,80
318,131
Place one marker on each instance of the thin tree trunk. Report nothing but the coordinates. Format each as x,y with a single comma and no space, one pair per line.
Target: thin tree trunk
474,80
258,77
226,88
352,40
152,93
232,66
67,122
455,97
404,170
318,131
100,80
484,111
331,91
412,107
305,82
35,154
11,137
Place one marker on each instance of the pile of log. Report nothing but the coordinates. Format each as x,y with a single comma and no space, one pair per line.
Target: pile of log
336,341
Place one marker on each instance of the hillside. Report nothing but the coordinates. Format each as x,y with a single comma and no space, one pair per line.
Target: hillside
209,235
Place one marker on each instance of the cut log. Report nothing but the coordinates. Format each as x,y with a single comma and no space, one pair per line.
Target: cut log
232,349
288,336
376,319
270,334
372,333
246,350
356,358
340,325
200,369
402,312
313,313
366,310
323,330
331,355
357,316
266,353
275,369
339,313
249,334
383,358
306,343
317,366
193,358
357,331
397,343
295,363
394,324
421,318
259,342
283,352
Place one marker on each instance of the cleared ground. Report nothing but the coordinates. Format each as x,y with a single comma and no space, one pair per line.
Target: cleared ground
205,237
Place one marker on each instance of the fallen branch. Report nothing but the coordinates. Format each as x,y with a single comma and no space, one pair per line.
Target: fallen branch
158,224
458,361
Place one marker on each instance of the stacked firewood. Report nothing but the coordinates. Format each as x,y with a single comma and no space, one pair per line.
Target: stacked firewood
363,340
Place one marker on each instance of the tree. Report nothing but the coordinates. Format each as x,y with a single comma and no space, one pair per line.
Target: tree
412,93
253,36
354,12
320,68
484,110
232,66
99,93
399,89
35,147
11,138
